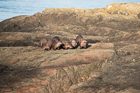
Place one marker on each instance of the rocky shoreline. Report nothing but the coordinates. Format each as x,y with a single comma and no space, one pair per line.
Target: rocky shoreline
110,64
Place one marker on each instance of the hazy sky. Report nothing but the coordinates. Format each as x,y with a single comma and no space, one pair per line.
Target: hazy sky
11,8
87,4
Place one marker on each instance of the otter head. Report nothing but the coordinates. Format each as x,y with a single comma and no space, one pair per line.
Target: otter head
83,43
68,45
46,47
58,44
74,43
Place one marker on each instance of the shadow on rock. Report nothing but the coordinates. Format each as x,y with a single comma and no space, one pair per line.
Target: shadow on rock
92,41
15,43
88,46
11,76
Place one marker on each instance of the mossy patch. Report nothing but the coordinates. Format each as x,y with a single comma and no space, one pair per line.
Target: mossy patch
127,9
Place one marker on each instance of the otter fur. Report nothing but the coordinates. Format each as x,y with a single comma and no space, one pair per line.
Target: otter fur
65,44
73,43
48,45
56,39
56,45
81,41
41,43
83,44
79,38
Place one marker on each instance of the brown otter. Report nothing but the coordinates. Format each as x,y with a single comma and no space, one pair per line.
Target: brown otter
65,44
73,43
56,45
83,44
48,45
41,43
81,41
79,38
56,39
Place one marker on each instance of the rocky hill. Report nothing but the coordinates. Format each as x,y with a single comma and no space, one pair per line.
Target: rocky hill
110,64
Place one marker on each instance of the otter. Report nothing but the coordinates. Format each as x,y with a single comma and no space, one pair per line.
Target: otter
65,44
56,45
56,39
73,43
48,45
41,43
83,44
81,41
51,44
79,38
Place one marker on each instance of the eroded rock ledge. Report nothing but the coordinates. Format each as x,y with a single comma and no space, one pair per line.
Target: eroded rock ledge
109,64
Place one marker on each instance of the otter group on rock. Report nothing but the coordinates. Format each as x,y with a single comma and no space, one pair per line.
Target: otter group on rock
57,43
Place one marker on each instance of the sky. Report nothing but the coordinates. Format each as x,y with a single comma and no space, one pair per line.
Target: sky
12,8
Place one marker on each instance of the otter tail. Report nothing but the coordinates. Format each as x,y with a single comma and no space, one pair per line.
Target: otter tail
36,43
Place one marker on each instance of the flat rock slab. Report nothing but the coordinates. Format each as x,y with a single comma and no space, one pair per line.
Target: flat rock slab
22,64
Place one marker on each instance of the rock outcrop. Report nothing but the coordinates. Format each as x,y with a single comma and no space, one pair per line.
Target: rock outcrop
110,64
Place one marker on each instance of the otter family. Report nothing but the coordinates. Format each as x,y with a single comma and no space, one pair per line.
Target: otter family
57,43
